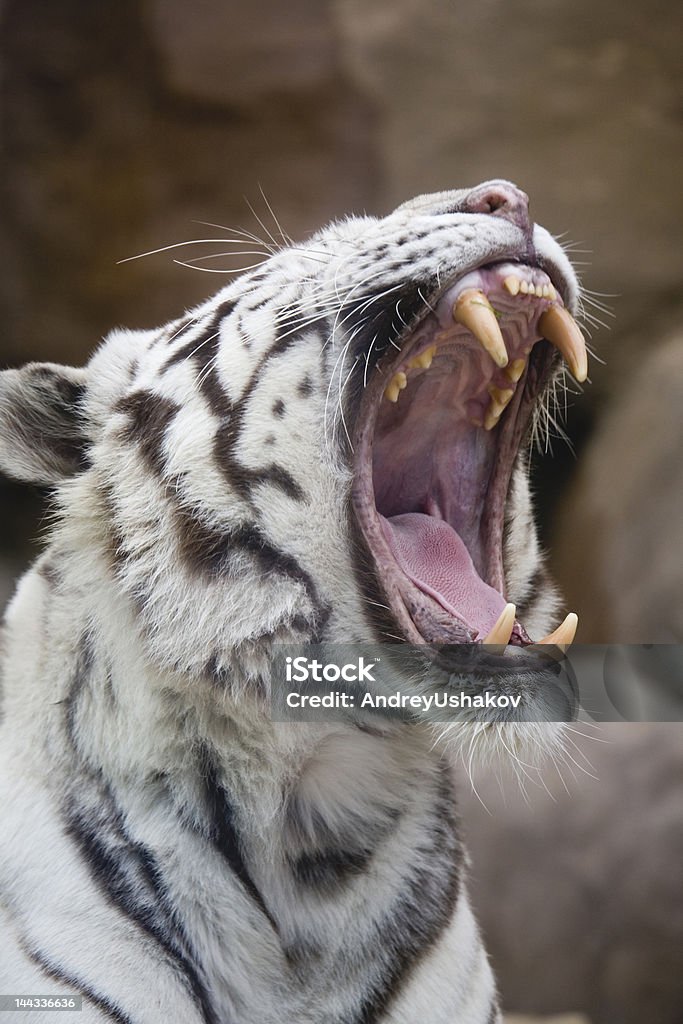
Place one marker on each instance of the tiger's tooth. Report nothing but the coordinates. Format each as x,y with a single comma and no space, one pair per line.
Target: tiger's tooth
501,396
473,311
502,631
512,283
561,330
532,288
428,357
564,635
552,294
524,287
424,360
397,383
515,370
493,414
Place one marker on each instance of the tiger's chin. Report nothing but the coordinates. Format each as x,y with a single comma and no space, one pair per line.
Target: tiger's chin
518,747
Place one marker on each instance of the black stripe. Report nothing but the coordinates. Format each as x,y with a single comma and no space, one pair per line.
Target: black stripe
305,387
533,592
128,874
325,850
329,870
85,659
149,417
424,908
277,476
204,351
211,552
108,691
210,386
243,336
228,435
185,352
304,958
51,573
223,829
58,974
205,550
133,368
194,348
125,871
271,559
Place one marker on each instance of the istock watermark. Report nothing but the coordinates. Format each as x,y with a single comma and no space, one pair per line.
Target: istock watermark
475,683
303,669
401,701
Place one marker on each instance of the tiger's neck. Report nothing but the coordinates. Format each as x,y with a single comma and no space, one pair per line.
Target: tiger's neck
261,856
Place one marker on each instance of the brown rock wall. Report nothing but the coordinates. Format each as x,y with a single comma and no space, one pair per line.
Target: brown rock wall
580,889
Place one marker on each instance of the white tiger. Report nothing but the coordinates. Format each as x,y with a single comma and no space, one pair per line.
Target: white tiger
332,448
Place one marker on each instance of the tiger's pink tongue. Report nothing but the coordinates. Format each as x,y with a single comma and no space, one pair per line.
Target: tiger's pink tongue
434,557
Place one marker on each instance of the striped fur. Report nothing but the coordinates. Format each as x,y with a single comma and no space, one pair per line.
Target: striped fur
167,851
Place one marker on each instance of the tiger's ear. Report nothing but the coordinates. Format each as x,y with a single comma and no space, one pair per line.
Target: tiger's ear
42,435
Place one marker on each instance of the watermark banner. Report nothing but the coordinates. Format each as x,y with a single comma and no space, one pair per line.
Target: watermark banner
477,683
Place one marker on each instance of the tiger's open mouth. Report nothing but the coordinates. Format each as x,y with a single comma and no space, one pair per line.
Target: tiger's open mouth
440,426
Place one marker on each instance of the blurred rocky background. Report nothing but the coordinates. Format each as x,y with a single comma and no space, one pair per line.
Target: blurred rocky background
127,124
577,875
565,1018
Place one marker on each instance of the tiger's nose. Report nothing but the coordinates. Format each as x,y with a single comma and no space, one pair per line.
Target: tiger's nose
502,199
